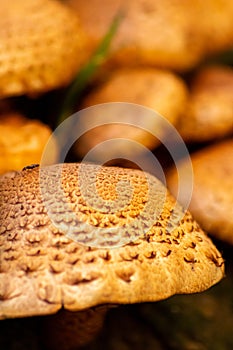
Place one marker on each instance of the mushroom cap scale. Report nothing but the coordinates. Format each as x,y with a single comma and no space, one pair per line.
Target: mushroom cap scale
43,270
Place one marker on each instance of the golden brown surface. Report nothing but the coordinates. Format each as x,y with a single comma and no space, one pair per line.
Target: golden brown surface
212,198
42,46
41,269
214,18
210,109
172,33
160,90
22,142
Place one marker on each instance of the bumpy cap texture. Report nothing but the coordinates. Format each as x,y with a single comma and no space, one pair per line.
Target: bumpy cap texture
42,269
42,46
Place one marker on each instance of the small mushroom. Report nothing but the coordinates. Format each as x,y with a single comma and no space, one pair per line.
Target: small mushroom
209,113
158,89
22,142
43,270
42,46
212,197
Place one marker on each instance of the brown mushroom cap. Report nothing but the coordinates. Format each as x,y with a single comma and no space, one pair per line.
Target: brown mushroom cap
42,270
42,46
160,90
22,142
212,197
209,113
172,34
215,22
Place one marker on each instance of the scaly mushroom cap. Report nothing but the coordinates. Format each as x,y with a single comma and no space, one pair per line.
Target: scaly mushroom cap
41,269
160,90
209,113
212,196
42,46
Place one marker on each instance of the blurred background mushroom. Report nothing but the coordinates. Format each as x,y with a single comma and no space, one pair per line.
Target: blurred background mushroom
212,197
171,34
37,38
209,113
161,90
22,142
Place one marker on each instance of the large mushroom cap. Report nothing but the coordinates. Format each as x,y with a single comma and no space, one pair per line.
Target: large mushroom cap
42,270
42,46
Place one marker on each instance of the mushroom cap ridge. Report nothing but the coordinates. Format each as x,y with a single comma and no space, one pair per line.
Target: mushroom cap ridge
42,270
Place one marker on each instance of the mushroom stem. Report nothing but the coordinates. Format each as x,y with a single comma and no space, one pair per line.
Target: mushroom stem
68,330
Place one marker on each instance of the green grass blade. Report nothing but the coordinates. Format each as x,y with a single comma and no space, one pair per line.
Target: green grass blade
85,74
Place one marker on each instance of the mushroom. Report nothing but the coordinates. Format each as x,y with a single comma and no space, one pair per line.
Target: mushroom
170,34
158,89
44,268
42,46
215,21
209,113
212,197
22,142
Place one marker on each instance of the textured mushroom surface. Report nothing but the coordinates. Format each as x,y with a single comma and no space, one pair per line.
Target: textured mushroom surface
42,46
22,142
170,33
212,197
42,269
161,90
209,113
